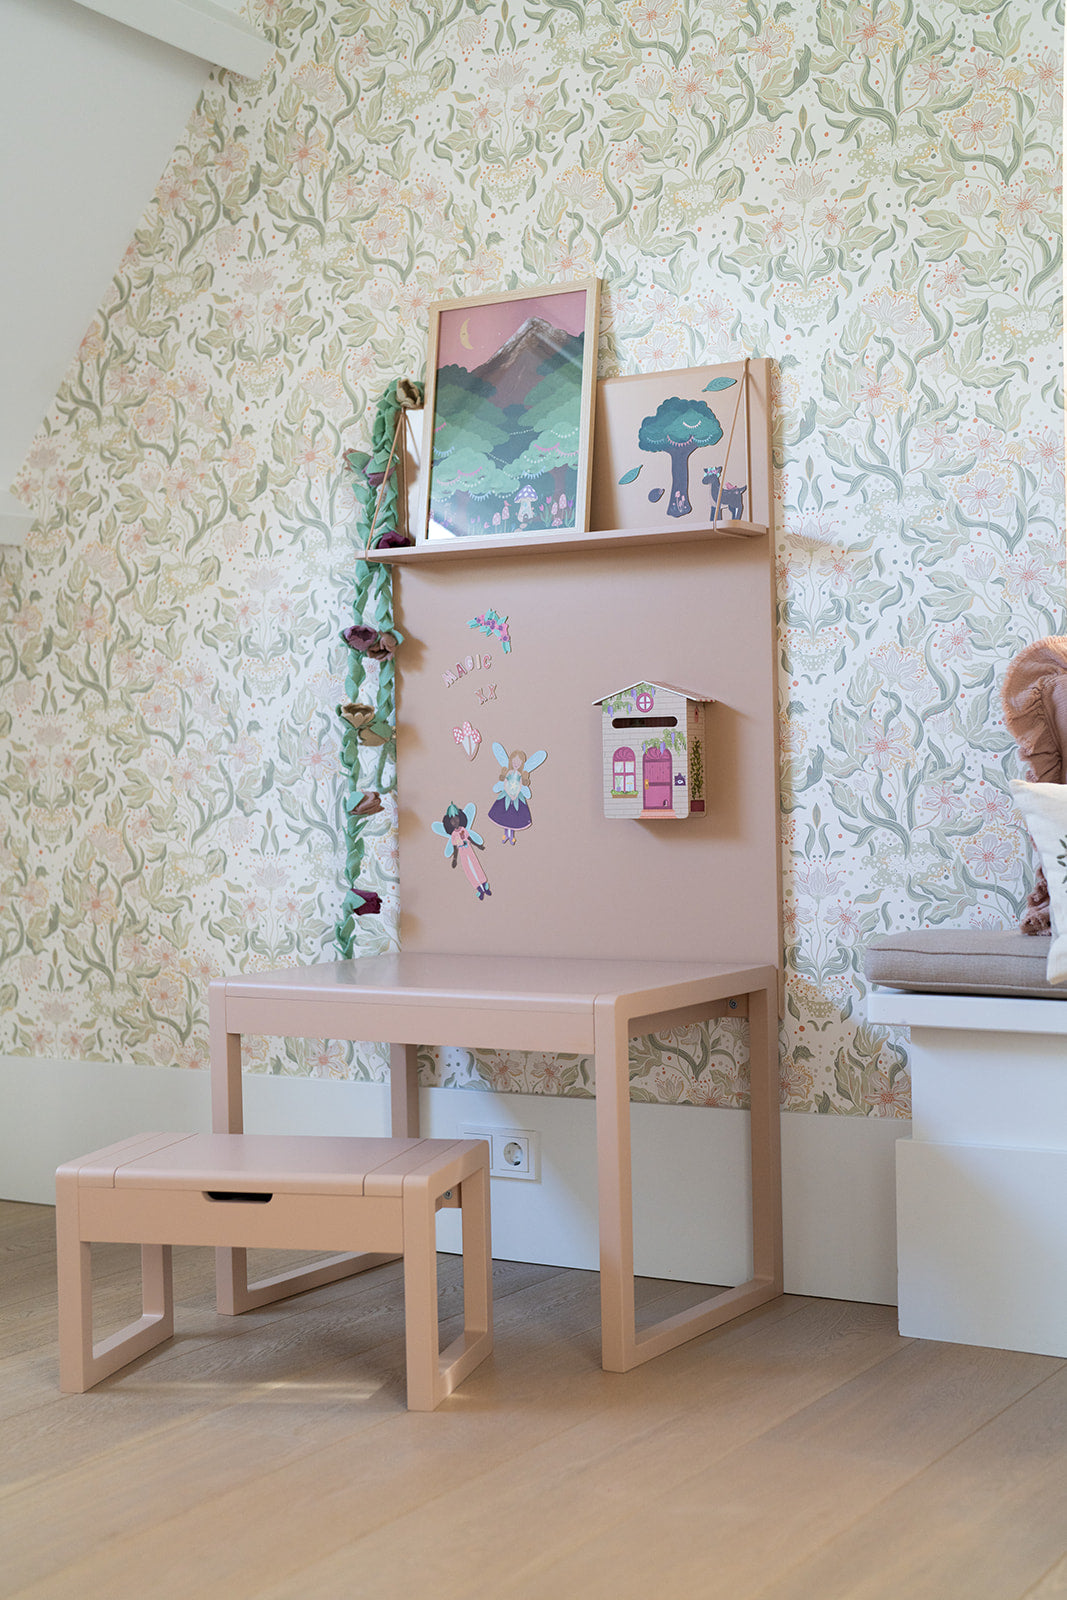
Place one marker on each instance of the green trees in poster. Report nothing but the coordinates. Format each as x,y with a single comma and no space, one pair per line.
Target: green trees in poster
465,415
679,427
490,454
552,416
469,427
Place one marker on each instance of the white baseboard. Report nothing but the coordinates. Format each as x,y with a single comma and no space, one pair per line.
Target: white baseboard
690,1166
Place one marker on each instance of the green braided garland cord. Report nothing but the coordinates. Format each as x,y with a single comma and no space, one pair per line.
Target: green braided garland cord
372,767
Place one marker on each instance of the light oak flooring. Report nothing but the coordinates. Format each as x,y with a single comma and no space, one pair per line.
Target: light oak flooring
805,1452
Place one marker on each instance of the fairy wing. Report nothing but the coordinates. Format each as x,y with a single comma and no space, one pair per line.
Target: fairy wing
450,844
470,812
500,753
536,759
475,838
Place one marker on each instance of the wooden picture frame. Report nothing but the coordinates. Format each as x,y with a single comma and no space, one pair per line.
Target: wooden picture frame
510,471
688,448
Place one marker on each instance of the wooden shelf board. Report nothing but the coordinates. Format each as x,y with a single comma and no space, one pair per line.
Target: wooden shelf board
614,538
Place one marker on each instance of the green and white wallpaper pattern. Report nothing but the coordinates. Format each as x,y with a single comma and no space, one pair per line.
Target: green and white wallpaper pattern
868,193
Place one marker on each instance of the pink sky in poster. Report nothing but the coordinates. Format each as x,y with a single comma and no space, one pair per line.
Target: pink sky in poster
469,335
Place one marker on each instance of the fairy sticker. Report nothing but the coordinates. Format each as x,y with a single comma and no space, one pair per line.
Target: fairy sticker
461,841
511,812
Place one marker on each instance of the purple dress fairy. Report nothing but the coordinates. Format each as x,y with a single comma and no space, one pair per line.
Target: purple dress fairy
511,811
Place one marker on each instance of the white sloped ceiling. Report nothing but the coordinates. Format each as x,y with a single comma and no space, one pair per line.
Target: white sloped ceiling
95,95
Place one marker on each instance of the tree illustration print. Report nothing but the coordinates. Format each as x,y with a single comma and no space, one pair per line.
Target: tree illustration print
679,427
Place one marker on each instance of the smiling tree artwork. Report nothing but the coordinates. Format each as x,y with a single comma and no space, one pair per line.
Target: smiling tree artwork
678,427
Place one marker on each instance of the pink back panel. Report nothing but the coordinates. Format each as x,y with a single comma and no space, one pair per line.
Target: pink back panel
584,625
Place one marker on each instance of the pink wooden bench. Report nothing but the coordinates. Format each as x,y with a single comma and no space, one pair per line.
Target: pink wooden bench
303,1193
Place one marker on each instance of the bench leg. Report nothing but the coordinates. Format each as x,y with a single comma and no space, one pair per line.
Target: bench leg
477,1270
81,1362
432,1373
420,1297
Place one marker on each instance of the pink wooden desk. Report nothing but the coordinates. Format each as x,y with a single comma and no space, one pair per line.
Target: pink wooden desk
588,1007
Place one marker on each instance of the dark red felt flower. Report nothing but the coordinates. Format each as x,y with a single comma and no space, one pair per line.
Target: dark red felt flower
370,642
365,903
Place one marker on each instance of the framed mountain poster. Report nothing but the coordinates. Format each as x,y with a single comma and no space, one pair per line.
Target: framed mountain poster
510,388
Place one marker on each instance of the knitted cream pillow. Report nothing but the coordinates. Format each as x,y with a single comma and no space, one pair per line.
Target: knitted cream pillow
1043,807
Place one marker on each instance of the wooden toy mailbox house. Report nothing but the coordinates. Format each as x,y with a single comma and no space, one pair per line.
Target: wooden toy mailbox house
653,751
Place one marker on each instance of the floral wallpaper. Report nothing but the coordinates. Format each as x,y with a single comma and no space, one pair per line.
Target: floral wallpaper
867,193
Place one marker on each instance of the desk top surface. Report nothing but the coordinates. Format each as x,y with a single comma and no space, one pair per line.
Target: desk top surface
501,981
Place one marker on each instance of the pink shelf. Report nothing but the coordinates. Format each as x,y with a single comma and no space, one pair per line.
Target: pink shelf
607,539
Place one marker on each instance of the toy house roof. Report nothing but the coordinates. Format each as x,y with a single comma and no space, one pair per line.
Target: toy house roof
672,688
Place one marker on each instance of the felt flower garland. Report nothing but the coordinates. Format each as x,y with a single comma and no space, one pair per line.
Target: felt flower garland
368,746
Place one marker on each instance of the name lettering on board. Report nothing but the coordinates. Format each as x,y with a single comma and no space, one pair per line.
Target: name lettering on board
478,663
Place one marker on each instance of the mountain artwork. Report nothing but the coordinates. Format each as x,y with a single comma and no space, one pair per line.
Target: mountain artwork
507,415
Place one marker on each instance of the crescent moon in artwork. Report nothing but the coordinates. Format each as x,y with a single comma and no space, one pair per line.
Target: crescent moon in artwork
464,336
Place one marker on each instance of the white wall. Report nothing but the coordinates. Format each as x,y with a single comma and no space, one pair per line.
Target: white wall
690,1166
73,184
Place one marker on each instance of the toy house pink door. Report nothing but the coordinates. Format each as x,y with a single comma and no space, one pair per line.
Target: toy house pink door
658,780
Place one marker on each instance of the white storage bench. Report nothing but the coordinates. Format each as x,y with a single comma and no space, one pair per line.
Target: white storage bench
982,1182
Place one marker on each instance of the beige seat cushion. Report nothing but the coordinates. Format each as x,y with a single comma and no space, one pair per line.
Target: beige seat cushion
963,961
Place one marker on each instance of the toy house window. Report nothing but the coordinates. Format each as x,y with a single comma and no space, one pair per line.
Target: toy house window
624,772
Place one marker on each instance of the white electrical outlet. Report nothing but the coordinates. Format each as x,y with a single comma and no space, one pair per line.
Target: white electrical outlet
513,1152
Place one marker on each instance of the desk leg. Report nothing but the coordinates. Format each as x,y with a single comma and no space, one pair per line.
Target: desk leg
622,1347
611,1046
233,1292
765,1133
227,1101
404,1090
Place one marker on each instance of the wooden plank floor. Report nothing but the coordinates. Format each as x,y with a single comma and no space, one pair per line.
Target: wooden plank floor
805,1452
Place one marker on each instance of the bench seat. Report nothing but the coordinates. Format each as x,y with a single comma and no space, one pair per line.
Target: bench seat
982,1182
983,961
235,1190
